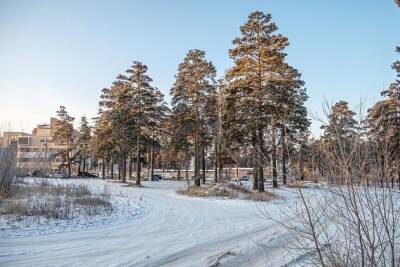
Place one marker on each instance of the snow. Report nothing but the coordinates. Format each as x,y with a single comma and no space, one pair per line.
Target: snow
157,228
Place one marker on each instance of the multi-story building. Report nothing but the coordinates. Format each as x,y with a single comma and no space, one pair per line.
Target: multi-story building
36,151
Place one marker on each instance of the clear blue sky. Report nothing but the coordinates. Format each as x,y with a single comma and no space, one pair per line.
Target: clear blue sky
63,52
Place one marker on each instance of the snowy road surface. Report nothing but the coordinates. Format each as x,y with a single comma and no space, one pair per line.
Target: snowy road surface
176,231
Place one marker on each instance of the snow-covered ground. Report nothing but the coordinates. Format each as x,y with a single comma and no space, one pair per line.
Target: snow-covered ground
125,209
166,229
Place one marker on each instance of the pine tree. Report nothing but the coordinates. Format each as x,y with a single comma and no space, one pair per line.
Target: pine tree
193,86
102,145
290,112
383,121
218,128
378,124
116,102
157,114
340,134
258,55
341,124
65,135
83,142
146,109
179,128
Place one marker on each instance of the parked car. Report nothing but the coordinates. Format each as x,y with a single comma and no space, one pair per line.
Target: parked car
244,178
87,174
156,177
244,181
37,173
60,175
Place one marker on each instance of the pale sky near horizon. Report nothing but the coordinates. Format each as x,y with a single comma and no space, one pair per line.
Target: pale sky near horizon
64,52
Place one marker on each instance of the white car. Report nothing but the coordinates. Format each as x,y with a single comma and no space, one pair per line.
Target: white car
60,175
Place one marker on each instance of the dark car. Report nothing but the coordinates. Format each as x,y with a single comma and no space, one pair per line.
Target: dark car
244,178
245,181
37,173
156,177
87,174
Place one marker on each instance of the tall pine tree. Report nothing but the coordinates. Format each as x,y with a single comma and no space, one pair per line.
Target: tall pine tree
258,55
65,135
193,86
83,142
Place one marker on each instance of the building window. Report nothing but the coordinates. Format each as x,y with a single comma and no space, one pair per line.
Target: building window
23,141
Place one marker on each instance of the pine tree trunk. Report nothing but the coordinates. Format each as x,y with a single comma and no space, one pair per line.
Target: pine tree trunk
302,168
216,160
203,161
130,167
398,170
221,172
84,164
237,164
397,153
215,169
112,168
382,169
179,166
283,155
187,168
197,151
79,168
273,151
103,170
255,163
260,162
119,170
124,168
301,163
69,164
138,165
152,160
148,165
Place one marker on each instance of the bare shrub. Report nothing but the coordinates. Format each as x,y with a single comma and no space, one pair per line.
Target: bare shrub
355,222
8,161
344,226
43,199
91,201
43,182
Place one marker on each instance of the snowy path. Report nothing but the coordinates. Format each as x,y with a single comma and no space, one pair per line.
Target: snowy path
177,231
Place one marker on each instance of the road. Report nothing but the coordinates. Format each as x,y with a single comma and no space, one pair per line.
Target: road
177,231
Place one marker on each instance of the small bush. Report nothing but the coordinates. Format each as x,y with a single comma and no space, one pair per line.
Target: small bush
231,191
8,159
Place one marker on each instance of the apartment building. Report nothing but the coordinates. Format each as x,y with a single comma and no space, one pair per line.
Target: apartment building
36,151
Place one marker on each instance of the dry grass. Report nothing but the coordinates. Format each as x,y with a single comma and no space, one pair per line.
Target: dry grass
230,191
296,184
302,184
131,183
43,199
